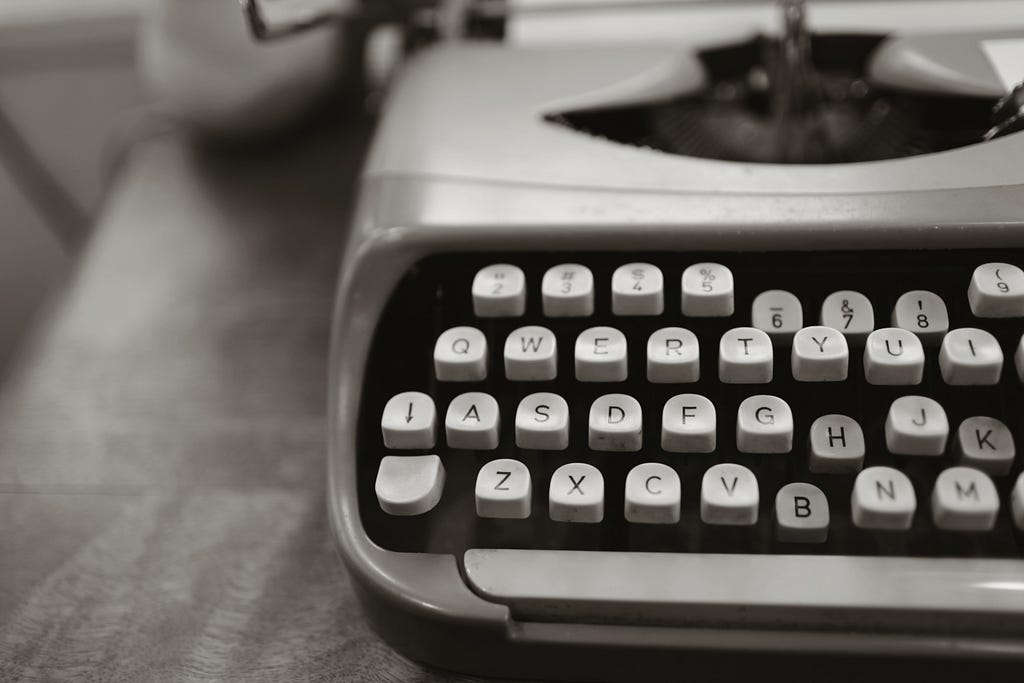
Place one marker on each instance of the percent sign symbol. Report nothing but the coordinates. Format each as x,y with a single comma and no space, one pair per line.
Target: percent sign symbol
707,277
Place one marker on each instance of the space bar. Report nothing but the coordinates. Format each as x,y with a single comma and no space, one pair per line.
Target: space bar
782,590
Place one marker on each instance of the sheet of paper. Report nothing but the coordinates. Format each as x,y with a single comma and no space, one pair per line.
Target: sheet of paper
567,22
1007,59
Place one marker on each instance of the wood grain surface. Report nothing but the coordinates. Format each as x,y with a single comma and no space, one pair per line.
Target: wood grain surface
162,435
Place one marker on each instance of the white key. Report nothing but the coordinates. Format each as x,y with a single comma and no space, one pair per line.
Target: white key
531,355
503,490
836,445
707,291
601,355
638,289
820,354
499,291
542,423
673,356
764,424
460,355
964,499
409,421
653,493
883,498
849,312
986,444
729,495
970,356
1018,359
1017,502
409,484
576,494
916,425
472,421
745,356
801,514
616,424
923,313
997,291
778,313
893,357
567,291
688,424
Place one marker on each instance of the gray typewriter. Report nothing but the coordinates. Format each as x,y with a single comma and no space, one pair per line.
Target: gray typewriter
686,337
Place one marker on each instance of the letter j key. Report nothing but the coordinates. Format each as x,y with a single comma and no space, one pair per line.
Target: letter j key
916,425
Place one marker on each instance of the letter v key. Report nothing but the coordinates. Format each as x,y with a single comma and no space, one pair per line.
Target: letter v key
736,503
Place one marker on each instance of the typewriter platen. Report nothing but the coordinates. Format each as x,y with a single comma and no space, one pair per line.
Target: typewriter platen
689,332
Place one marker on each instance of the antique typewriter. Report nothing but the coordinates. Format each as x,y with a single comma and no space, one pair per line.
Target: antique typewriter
688,334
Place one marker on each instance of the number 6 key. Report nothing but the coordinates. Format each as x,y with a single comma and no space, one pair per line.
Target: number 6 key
778,313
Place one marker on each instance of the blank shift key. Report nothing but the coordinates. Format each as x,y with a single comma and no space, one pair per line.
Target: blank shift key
409,484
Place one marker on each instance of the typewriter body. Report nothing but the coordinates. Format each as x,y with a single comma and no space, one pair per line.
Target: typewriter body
679,333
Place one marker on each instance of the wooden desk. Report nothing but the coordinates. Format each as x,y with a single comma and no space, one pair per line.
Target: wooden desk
162,439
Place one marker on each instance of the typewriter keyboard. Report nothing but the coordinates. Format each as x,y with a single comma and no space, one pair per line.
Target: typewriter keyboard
852,403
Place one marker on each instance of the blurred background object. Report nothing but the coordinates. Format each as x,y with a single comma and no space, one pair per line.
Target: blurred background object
80,79
199,61
67,77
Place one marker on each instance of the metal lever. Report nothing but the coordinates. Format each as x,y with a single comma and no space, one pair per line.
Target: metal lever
1008,114
273,19
797,96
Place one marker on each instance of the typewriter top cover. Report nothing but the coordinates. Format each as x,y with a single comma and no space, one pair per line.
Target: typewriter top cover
815,160
682,100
